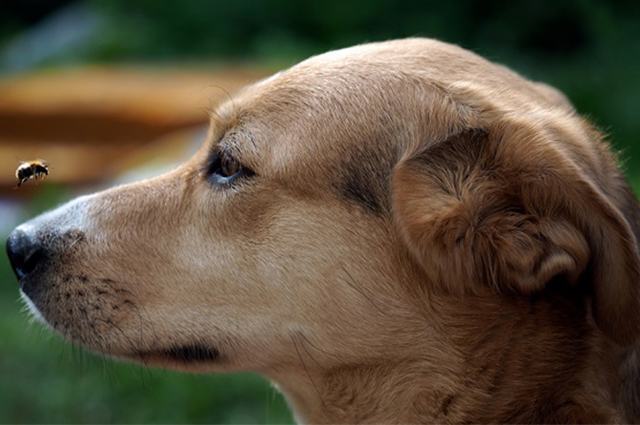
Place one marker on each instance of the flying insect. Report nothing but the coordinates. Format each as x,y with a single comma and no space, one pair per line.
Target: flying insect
27,170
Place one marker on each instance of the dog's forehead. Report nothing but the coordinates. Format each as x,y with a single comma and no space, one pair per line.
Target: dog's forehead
355,88
293,114
342,75
328,97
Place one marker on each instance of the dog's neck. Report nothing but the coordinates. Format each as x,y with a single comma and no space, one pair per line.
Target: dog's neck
382,393
511,374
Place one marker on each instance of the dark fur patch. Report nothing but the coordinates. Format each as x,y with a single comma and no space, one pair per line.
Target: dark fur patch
358,188
364,180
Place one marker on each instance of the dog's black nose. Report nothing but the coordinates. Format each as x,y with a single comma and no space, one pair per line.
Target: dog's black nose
24,252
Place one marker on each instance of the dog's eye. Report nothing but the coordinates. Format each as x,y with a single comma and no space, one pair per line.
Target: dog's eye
224,169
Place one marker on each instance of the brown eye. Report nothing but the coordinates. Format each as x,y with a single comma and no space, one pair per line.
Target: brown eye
229,166
224,169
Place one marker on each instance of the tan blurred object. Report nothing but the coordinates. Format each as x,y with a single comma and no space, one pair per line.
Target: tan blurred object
84,122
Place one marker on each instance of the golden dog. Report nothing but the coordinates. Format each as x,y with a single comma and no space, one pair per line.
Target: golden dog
394,232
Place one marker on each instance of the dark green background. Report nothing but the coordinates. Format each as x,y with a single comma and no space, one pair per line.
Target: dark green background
588,49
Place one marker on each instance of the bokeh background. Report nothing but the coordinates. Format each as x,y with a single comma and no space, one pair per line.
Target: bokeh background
109,91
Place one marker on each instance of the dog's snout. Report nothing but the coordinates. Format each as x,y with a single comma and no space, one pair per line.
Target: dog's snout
24,252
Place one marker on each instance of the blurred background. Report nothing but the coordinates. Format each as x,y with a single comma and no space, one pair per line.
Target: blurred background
109,91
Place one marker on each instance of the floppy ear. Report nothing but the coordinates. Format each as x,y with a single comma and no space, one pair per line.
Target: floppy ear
505,207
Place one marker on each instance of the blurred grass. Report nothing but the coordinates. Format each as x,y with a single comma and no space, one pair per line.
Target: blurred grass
46,380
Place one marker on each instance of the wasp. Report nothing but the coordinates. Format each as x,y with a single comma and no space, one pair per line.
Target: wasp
28,170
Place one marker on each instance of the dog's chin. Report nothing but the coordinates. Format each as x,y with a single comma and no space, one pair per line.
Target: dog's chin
188,357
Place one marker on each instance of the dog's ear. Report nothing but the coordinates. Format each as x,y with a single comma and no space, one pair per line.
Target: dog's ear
505,207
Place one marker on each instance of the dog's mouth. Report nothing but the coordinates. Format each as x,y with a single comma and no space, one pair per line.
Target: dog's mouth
187,354
182,354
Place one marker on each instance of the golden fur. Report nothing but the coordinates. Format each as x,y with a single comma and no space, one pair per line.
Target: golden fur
428,237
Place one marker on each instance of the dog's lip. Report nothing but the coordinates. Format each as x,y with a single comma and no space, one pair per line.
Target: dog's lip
185,353
33,309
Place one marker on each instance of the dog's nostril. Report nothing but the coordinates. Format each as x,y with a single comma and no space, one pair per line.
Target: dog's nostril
32,261
24,253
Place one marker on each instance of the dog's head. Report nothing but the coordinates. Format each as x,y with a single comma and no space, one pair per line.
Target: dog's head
336,207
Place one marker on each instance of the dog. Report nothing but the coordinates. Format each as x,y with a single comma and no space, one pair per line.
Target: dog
398,231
